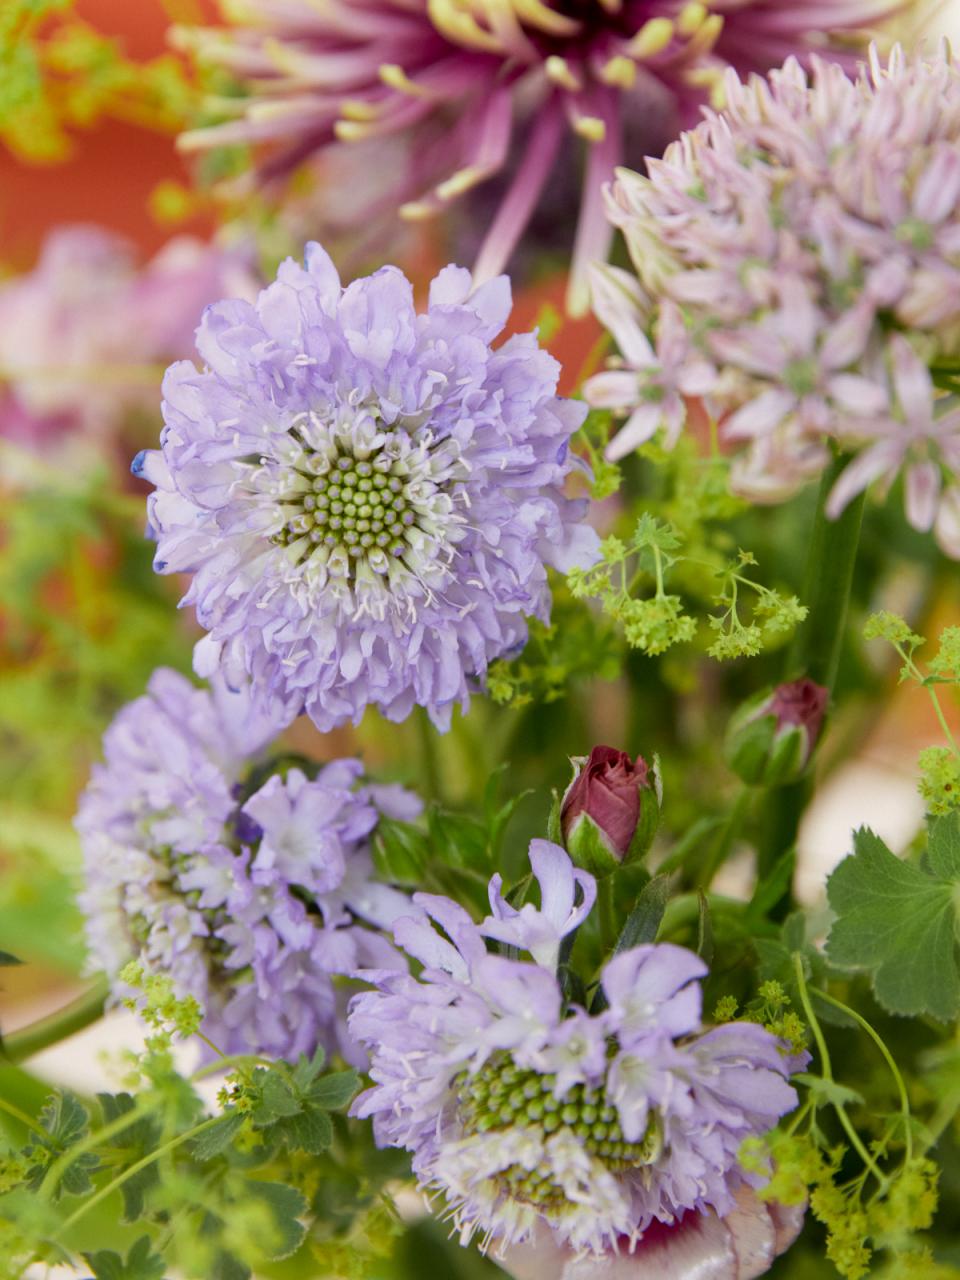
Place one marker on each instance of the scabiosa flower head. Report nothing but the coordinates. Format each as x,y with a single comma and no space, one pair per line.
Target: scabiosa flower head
523,1114
251,892
79,334
799,264
459,79
367,497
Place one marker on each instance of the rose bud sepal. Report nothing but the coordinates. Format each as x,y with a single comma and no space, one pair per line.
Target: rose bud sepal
771,738
610,811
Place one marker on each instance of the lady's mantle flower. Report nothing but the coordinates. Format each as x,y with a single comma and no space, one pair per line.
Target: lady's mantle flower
367,498
799,256
459,80
527,1117
250,892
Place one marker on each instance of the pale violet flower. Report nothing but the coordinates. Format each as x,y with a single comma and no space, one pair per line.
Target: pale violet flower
251,897
540,1123
541,931
367,498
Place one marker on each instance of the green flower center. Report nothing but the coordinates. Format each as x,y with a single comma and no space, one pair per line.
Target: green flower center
362,506
503,1096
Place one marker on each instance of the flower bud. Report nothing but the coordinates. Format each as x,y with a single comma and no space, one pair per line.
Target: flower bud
610,810
771,738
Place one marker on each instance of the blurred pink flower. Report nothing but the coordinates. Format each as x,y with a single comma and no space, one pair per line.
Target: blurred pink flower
85,335
473,81
741,1246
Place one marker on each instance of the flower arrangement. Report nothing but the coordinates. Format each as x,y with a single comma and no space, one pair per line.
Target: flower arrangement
465,860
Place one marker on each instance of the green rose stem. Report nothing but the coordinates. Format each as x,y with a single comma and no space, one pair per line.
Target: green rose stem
79,1013
817,645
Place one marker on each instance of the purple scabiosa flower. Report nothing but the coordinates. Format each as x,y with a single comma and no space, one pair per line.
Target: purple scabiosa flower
367,498
472,86
796,256
85,334
251,898
532,1120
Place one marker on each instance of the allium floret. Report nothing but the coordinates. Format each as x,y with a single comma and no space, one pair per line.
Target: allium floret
522,1111
471,90
367,498
249,888
797,256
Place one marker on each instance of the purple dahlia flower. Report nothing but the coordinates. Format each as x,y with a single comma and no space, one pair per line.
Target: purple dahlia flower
528,1118
477,87
250,897
367,498
798,268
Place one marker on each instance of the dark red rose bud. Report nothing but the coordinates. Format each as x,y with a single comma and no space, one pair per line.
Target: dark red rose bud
772,737
602,816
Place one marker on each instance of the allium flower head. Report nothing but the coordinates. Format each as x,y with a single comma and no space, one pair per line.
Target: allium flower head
799,264
523,1114
251,893
367,498
460,78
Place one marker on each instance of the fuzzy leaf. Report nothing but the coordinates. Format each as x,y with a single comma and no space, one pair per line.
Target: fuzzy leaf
215,1140
141,1263
897,921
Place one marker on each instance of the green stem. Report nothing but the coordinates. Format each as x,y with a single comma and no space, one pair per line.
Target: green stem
121,1178
817,645
724,840
831,558
80,1013
17,1114
827,1072
429,760
887,1057
97,1137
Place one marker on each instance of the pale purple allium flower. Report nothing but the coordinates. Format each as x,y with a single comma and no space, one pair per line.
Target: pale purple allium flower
527,1116
367,498
474,87
800,251
85,334
251,895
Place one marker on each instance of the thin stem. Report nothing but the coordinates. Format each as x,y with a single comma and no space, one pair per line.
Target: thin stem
17,1114
827,1071
888,1058
817,645
831,558
121,1178
80,1013
724,840
429,760
97,1136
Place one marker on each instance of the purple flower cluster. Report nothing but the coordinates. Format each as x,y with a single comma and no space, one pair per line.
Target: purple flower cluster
250,897
469,92
79,334
367,498
522,1113
798,262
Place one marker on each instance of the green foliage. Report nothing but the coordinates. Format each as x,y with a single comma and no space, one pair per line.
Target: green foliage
141,1263
63,1122
939,782
897,921
58,73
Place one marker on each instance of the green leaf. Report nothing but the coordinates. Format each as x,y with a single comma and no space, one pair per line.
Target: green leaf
310,1131
307,1069
644,920
138,1140
7,959
400,853
63,1122
334,1091
897,920
828,1091
287,1206
215,1140
277,1099
704,929
141,1264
